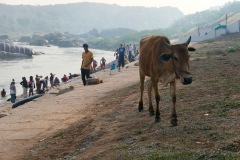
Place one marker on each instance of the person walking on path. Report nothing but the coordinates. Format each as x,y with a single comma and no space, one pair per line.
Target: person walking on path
24,84
31,85
121,57
87,58
102,63
13,92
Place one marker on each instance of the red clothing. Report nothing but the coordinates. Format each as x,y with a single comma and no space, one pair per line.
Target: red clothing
65,78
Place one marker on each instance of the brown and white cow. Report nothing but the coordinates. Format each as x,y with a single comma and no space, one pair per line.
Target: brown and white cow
164,63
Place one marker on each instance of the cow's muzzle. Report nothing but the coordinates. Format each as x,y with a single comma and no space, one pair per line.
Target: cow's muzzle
187,80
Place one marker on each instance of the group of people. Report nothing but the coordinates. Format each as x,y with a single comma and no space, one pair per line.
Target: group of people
95,64
40,83
89,64
125,52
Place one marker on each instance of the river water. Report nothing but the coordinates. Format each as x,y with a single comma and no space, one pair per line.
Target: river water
58,61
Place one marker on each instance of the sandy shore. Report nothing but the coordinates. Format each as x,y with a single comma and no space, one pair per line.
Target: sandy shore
32,122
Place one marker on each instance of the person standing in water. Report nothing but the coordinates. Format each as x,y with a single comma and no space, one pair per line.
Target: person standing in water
87,58
13,92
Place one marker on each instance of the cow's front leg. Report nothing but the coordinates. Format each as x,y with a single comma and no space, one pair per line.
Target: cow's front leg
157,97
151,110
173,94
140,106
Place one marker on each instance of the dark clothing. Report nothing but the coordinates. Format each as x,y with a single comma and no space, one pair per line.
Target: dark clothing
121,57
3,93
13,98
51,77
38,85
43,84
56,81
130,57
85,74
121,62
24,83
121,51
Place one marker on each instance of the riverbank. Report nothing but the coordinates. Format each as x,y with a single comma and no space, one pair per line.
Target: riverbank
34,121
58,61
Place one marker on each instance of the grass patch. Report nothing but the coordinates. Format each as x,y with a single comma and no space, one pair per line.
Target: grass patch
232,49
193,156
120,147
180,93
230,103
171,156
60,134
221,107
137,131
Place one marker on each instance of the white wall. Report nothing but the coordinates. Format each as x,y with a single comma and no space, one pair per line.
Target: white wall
211,34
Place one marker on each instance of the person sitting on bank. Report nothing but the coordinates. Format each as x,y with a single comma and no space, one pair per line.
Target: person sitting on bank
3,93
113,66
56,82
70,76
64,78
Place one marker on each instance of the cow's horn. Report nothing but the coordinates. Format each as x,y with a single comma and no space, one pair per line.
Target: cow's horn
167,44
188,41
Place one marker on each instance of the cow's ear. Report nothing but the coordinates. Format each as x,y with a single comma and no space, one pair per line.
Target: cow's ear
191,49
165,57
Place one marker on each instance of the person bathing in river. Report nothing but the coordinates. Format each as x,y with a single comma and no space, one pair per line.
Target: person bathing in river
3,93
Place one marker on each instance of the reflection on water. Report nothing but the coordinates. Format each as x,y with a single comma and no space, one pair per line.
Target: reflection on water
56,60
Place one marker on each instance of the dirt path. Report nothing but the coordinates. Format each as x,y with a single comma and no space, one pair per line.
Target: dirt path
32,122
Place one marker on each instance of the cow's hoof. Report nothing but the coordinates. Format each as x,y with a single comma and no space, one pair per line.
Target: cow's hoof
174,122
157,119
140,109
151,113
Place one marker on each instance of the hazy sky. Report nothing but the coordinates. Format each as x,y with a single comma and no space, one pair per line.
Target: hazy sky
186,6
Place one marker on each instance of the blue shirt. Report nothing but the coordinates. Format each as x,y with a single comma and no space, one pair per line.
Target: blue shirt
121,51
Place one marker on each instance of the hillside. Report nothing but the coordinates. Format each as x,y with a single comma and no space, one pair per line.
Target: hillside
208,117
78,18
205,20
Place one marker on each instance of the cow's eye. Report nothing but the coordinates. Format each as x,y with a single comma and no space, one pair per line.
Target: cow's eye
175,58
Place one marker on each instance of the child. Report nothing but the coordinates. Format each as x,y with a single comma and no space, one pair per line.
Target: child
31,86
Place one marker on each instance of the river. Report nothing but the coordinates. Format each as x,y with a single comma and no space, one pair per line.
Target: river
58,61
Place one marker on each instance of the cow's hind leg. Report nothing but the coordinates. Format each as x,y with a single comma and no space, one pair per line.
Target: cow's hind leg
173,94
151,110
157,97
140,106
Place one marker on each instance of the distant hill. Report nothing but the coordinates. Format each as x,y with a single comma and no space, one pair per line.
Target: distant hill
79,18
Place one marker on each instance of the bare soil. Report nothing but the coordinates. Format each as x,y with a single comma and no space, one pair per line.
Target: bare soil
208,117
